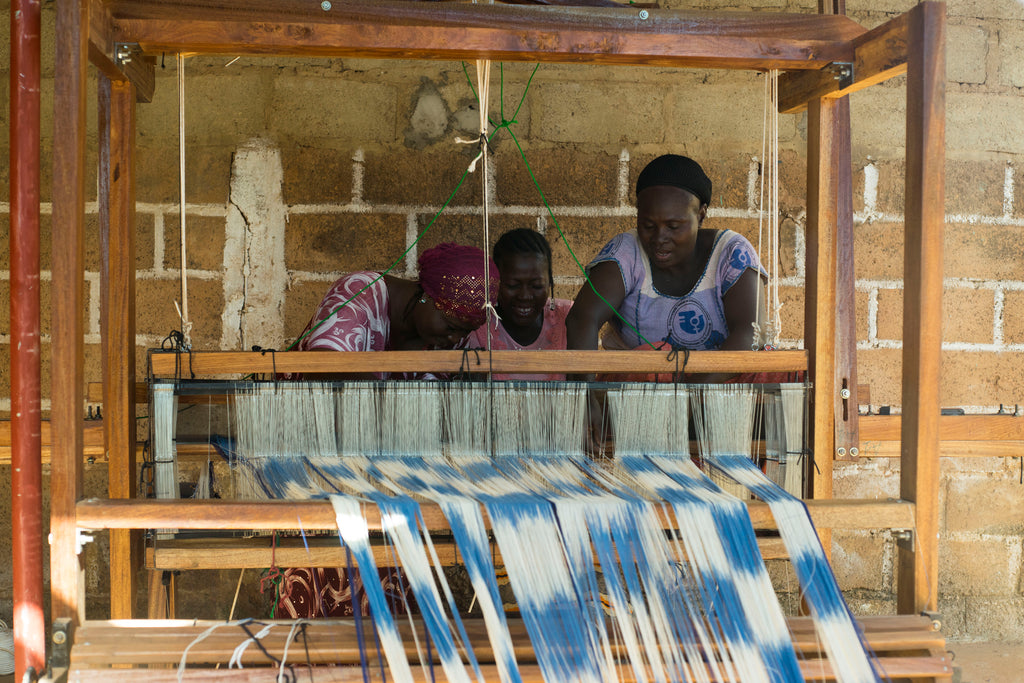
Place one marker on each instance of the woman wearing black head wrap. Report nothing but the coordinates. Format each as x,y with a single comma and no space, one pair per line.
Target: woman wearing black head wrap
673,281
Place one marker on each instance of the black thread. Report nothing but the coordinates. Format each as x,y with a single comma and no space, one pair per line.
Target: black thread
290,676
273,358
465,365
673,355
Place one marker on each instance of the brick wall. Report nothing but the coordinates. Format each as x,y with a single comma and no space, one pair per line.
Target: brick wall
301,170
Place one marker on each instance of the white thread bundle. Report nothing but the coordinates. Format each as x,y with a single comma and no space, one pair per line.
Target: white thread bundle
531,419
724,419
794,414
650,419
6,649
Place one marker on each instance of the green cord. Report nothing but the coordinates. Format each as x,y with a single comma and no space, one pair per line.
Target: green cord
507,125
389,268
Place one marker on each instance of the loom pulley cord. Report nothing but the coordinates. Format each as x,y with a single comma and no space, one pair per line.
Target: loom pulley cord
186,322
769,193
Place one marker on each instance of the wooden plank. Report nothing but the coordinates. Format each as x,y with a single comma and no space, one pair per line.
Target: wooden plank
319,515
457,31
164,365
915,653
948,449
917,588
92,432
117,316
258,553
878,55
67,578
333,641
950,427
937,668
138,70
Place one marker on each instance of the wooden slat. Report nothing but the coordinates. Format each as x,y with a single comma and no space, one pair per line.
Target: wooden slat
901,653
879,55
950,427
163,641
319,515
457,31
948,449
140,71
204,363
918,587
937,669
258,553
67,578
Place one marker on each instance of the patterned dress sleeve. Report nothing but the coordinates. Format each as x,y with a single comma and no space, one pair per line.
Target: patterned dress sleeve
737,256
361,324
623,250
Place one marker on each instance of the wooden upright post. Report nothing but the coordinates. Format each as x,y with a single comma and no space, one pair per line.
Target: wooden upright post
117,320
845,399
918,582
825,127
67,578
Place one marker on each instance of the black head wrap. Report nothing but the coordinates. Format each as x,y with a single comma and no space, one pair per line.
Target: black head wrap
676,171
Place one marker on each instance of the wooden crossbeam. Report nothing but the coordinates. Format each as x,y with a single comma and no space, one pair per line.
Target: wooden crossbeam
205,363
137,69
319,515
904,648
878,55
456,31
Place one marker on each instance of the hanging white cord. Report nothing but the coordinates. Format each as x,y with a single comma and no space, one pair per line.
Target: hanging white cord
483,80
769,213
186,323
774,317
483,88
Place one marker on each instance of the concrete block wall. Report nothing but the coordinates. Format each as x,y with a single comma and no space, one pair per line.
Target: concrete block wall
299,170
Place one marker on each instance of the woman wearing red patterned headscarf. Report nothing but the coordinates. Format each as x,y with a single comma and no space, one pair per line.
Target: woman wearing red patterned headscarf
365,311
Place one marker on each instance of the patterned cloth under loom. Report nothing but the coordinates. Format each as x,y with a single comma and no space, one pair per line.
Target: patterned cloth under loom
647,533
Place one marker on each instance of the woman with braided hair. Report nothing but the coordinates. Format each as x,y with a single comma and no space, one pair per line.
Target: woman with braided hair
530,318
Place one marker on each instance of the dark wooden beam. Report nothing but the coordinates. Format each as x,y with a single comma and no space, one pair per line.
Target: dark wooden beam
878,55
137,69
455,31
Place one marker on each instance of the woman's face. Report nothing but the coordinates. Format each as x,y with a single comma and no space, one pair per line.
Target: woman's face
523,290
667,220
437,330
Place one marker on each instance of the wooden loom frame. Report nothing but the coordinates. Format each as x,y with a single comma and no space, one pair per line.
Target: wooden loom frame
826,57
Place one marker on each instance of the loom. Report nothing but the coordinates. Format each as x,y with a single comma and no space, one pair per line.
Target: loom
510,447
823,57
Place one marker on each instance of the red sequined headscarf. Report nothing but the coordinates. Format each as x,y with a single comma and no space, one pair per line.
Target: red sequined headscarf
452,275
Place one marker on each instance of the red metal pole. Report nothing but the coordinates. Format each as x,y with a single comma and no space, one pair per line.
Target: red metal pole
26,459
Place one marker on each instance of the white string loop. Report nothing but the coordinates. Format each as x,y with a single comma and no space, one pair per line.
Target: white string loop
768,214
186,323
